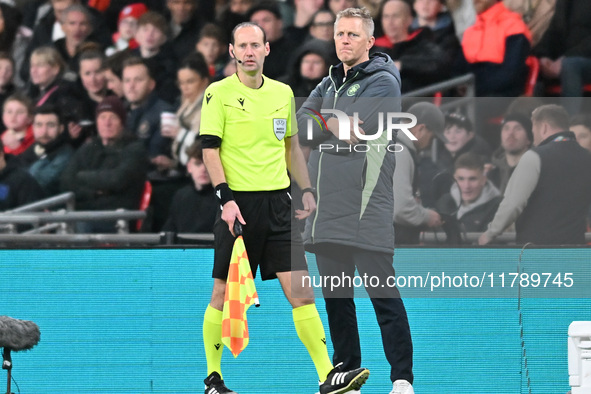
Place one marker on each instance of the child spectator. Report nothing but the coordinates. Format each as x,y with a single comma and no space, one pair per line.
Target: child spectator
213,47
199,196
461,138
16,115
151,36
127,26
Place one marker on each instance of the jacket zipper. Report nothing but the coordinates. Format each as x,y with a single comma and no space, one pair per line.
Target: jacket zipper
334,104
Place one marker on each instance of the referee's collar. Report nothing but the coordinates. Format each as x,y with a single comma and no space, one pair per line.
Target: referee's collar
262,80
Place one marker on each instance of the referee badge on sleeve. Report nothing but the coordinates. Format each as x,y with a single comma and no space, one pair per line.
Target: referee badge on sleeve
279,128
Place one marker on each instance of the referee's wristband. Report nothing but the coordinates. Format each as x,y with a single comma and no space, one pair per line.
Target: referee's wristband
311,190
224,193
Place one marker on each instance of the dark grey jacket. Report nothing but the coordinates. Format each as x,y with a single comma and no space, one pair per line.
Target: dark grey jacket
354,183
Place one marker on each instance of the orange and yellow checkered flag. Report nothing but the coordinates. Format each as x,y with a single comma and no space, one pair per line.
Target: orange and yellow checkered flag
241,293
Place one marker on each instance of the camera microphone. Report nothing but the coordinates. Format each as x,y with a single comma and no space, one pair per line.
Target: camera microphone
238,60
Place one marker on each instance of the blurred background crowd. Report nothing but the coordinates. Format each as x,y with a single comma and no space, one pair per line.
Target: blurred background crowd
103,97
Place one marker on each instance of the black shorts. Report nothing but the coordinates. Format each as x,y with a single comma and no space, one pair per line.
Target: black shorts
270,242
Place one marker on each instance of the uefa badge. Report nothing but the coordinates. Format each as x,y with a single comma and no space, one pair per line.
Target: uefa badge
279,128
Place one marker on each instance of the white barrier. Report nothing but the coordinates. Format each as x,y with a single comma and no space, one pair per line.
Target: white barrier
579,357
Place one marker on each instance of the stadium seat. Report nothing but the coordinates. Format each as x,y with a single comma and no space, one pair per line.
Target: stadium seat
533,66
144,202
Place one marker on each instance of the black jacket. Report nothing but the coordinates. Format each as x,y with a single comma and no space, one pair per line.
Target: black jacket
569,33
423,61
107,177
17,186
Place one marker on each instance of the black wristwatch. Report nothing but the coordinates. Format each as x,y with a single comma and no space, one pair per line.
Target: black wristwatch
311,190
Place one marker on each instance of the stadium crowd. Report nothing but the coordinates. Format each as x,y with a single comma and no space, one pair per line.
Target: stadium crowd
100,96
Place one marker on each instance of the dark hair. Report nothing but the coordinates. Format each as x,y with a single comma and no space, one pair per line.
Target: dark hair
470,160
553,114
246,24
195,151
196,62
6,56
581,120
91,51
115,63
323,11
269,5
211,30
12,20
458,119
1,147
49,109
135,61
156,19
21,98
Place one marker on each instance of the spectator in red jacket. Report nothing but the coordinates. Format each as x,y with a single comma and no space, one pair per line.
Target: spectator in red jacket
495,48
16,115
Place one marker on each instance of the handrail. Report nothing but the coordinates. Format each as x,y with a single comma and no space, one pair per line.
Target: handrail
464,80
111,239
37,218
205,239
67,198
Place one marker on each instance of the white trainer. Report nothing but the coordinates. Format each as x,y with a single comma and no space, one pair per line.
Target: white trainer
402,386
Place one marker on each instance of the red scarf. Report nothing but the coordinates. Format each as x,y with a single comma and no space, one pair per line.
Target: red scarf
27,141
485,40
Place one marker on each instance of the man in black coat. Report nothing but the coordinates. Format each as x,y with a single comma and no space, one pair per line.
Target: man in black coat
109,172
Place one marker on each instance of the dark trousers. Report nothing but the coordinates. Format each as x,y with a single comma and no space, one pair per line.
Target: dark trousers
375,267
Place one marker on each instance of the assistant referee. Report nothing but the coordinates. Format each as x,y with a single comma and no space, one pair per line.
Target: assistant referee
247,124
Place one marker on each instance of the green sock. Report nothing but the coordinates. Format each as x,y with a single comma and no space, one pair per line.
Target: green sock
212,339
311,332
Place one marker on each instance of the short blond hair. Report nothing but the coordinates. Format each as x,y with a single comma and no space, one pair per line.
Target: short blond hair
361,13
49,55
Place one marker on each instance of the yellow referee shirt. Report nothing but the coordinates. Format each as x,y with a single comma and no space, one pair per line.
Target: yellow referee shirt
253,125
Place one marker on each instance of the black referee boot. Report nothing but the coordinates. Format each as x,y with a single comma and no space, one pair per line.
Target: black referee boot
215,385
338,382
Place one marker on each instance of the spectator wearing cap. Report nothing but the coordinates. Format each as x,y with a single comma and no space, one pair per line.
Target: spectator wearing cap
108,172
268,16
123,38
472,199
516,139
461,138
420,60
549,192
410,216
199,196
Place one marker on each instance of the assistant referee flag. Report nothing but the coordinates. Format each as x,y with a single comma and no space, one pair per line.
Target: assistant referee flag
241,293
